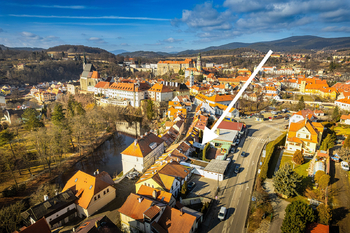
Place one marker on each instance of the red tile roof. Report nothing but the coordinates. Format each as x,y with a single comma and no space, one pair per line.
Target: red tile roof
316,228
230,125
40,226
174,221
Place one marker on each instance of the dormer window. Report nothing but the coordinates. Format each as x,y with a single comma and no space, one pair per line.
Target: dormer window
90,187
76,179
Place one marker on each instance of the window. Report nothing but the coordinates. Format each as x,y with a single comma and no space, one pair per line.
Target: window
95,198
98,196
307,136
104,192
308,144
298,135
107,190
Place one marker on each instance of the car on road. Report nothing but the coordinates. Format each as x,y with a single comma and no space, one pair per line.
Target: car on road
191,185
229,160
233,150
222,213
237,169
243,154
344,165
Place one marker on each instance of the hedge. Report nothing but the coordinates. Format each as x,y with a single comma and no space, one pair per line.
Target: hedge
270,147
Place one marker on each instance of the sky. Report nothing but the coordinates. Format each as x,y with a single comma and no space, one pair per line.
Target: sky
166,25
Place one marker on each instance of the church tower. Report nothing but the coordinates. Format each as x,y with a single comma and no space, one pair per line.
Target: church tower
199,62
191,79
84,61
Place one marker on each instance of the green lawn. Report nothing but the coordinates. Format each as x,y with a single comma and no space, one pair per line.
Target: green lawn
342,131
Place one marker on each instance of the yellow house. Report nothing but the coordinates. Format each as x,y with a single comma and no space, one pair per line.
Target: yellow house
304,135
164,175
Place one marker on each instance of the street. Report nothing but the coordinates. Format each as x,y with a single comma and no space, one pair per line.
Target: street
237,194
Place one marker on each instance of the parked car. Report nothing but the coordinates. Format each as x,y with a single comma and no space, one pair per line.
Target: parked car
237,169
344,165
222,213
270,118
229,160
190,186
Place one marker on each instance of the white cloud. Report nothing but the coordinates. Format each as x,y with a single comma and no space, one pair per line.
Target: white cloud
172,40
238,17
336,29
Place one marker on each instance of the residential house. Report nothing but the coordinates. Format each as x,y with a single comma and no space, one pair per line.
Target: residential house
304,135
164,67
147,215
345,119
57,210
165,175
318,112
301,115
92,193
100,224
158,195
343,104
316,228
39,226
160,92
142,153
73,88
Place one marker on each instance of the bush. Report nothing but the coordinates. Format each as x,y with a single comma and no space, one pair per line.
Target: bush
269,151
13,190
298,157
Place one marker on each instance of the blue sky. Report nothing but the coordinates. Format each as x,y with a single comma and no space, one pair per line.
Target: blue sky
167,25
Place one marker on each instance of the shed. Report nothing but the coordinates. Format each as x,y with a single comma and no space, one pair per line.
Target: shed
215,169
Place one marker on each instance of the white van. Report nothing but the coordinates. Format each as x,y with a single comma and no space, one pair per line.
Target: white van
222,213
344,165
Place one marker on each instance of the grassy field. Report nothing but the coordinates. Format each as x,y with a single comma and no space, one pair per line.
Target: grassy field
342,130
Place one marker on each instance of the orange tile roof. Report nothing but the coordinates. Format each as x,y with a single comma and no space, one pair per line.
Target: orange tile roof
133,208
89,186
160,88
102,84
345,117
148,192
95,75
39,226
344,101
317,228
142,147
186,61
294,139
174,221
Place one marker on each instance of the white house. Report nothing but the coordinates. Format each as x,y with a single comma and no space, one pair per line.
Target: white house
345,119
142,153
301,115
215,169
92,192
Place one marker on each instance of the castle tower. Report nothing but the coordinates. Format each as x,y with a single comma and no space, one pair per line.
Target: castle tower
191,79
199,62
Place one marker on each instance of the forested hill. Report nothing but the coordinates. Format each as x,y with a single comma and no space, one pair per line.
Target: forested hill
77,49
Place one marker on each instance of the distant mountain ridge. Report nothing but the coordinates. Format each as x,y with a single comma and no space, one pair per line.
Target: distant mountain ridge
294,43
3,47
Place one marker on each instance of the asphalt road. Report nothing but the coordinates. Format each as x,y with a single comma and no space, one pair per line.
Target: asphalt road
236,196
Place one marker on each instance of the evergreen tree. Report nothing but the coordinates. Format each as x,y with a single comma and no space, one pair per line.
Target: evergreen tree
298,157
57,114
301,103
150,110
297,215
286,181
336,114
328,142
324,214
31,119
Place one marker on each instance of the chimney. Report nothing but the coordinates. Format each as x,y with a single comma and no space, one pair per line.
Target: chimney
135,142
218,131
166,83
140,199
154,194
97,172
182,212
73,230
176,84
46,197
